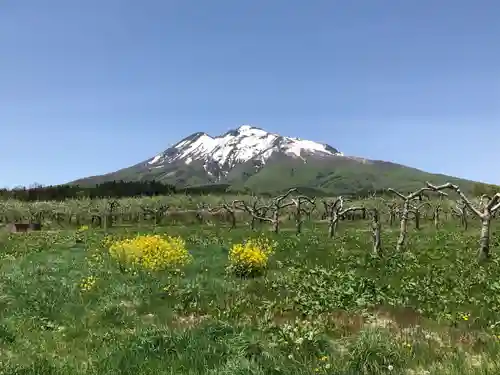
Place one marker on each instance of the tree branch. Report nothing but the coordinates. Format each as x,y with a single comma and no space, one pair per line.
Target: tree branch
253,212
493,203
350,209
280,198
466,200
397,193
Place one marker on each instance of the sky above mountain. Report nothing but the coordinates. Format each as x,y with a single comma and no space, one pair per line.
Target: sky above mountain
89,87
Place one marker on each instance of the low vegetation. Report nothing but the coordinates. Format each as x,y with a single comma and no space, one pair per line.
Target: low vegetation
207,287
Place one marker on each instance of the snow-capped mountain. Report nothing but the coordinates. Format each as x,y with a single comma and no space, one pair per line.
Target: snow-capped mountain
239,146
250,157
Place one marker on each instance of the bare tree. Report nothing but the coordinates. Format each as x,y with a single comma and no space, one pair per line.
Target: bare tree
201,209
230,209
407,200
416,211
110,209
436,214
300,210
158,212
276,205
484,214
253,210
460,210
334,210
393,208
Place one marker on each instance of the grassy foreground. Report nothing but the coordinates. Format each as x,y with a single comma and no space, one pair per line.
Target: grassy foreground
323,307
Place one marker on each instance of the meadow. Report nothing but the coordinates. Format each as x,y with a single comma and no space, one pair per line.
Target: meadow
321,305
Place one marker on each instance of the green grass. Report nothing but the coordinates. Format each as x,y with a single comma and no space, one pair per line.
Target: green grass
323,307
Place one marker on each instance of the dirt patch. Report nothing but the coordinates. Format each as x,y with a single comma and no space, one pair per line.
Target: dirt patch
402,316
347,322
344,322
285,317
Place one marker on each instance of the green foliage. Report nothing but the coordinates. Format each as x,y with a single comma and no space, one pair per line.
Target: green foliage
322,307
479,189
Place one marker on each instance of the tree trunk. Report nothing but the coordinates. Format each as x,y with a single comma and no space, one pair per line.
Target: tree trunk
298,226
417,220
298,219
403,227
233,220
263,214
377,241
276,221
159,214
392,217
332,226
484,239
436,218
109,221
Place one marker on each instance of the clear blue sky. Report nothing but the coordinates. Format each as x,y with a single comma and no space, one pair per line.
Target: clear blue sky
88,87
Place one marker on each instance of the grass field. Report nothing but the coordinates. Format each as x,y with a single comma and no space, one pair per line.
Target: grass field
324,306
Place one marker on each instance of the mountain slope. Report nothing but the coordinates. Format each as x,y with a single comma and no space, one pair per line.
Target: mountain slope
250,157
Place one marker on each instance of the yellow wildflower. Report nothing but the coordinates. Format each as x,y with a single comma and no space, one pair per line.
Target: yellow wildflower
153,252
88,283
250,257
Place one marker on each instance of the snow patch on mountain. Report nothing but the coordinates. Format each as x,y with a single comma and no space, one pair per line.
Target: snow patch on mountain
156,159
239,146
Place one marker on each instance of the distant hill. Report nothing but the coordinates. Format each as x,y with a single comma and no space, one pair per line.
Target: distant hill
252,158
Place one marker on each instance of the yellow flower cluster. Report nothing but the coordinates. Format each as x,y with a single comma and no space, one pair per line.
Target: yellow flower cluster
325,366
153,252
83,228
88,283
251,257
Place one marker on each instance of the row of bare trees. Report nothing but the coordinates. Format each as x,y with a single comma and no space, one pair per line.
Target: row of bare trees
411,204
299,208
485,212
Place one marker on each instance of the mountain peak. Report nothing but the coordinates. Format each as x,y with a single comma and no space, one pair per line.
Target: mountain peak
250,157
249,129
239,146
244,128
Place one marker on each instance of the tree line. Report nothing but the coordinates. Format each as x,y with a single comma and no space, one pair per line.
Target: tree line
113,189
128,189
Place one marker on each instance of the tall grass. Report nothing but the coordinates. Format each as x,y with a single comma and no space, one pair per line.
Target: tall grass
322,306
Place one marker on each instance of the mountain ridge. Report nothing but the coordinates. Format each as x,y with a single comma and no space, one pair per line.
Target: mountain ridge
249,157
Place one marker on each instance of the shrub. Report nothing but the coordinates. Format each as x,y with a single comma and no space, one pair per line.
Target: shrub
153,252
250,258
